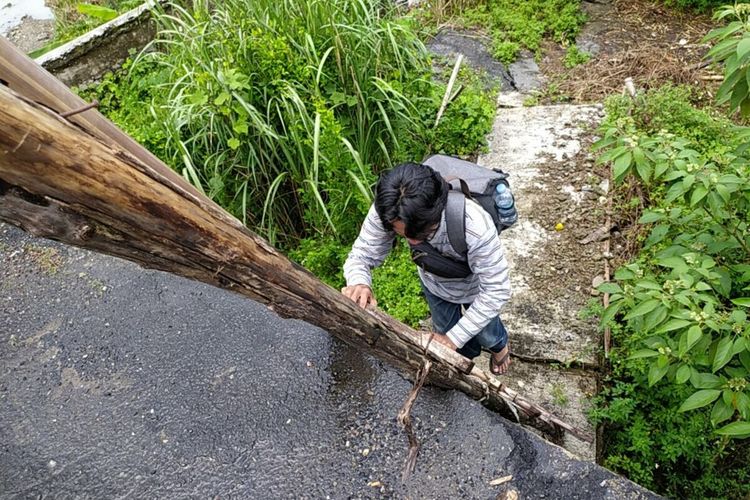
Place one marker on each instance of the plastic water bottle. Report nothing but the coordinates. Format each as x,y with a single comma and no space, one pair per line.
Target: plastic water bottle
506,207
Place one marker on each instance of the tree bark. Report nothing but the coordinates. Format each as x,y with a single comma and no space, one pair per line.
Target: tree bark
59,181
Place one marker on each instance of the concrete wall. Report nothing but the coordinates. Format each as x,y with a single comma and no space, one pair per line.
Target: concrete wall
89,57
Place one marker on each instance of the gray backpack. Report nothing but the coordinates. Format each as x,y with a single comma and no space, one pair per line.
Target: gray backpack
470,180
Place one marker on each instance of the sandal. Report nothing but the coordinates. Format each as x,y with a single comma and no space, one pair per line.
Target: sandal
496,366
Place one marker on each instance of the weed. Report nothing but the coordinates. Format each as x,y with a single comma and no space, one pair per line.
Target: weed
575,56
550,94
699,5
531,100
593,309
559,397
286,127
48,259
397,287
132,99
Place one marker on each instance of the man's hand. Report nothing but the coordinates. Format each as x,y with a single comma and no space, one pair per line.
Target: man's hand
445,340
361,294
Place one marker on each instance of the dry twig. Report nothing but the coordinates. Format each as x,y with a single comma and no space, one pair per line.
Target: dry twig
404,418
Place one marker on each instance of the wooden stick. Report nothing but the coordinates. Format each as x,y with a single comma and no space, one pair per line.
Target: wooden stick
404,418
449,89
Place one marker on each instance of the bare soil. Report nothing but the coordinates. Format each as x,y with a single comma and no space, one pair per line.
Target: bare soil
32,34
640,39
571,203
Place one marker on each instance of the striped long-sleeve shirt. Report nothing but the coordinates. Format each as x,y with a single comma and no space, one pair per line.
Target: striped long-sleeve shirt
487,289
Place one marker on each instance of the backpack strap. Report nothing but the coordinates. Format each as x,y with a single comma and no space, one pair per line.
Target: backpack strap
455,208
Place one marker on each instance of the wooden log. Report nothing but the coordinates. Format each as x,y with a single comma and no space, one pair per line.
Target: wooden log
27,78
62,182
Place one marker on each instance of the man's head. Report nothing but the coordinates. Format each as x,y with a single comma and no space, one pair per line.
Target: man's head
413,197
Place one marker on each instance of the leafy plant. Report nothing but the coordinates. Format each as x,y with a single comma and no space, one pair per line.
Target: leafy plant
324,257
732,48
679,311
395,284
99,12
397,287
463,127
575,56
687,302
669,452
131,98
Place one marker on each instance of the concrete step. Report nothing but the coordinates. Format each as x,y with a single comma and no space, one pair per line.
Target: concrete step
560,203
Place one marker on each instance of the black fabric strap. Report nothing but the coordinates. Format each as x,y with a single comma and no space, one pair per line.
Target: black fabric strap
455,208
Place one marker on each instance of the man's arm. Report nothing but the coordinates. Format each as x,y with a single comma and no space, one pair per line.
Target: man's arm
487,261
369,251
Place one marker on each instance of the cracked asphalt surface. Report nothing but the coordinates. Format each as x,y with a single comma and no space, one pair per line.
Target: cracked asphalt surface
121,382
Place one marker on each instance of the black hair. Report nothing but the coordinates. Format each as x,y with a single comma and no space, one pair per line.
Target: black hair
413,193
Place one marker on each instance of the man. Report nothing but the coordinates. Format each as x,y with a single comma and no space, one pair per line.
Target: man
410,202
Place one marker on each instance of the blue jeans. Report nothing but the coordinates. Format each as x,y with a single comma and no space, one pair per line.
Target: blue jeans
493,337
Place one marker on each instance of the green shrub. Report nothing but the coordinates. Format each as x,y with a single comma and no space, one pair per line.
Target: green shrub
397,287
324,257
505,50
464,126
681,362
130,98
516,24
395,284
672,453
733,49
671,109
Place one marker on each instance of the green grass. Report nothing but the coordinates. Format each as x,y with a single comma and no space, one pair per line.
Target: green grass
698,5
284,111
575,57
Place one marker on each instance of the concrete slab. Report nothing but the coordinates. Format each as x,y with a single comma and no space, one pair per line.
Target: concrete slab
543,149
89,57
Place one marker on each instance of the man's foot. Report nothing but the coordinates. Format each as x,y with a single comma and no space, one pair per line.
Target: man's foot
500,361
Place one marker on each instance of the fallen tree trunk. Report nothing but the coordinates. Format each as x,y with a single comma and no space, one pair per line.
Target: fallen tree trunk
63,182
